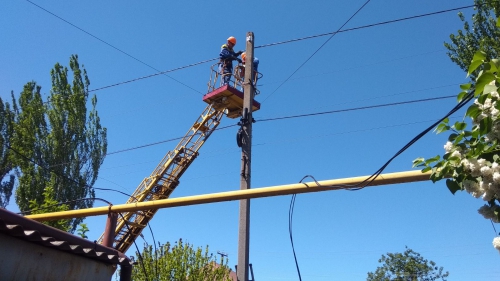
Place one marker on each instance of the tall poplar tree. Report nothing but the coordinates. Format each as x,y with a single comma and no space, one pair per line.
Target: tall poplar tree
59,143
6,166
480,34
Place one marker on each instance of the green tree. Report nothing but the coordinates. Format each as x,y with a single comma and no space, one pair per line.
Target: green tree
179,262
59,144
407,266
6,167
471,161
482,34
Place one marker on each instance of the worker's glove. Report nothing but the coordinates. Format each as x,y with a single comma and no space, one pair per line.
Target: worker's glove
239,60
239,53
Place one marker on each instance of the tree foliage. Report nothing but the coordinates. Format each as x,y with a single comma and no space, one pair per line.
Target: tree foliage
59,144
179,262
407,266
6,166
481,34
471,161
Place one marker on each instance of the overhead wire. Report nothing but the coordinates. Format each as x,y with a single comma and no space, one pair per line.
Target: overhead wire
116,48
261,46
317,50
354,109
292,203
364,26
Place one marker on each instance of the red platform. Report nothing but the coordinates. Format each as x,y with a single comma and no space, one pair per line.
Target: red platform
227,97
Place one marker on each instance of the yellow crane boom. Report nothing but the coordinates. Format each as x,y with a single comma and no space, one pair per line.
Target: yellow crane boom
164,179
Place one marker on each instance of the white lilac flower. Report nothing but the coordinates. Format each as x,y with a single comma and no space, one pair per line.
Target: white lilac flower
448,146
496,176
488,194
470,186
496,243
456,154
494,113
495,94
465,163
486,171
486,212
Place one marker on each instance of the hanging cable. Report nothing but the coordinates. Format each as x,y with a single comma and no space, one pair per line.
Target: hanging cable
138,252
119,50
364,26
355,108
155,74
290,218
261,46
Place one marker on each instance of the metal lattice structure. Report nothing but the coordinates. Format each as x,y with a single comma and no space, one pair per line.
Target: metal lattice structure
165,178
224,100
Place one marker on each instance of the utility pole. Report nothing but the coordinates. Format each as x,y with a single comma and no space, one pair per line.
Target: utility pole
246,152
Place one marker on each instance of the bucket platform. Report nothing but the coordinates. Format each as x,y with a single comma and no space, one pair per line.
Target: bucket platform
229,99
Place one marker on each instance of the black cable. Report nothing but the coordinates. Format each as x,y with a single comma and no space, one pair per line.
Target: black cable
290,216
261,46
364,26
156,254
123,52
160,142
494,228
62,176
62,203
156,74
355,108
317,50
138,252
371,178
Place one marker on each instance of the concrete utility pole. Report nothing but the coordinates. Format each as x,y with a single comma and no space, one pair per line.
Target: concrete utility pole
246,151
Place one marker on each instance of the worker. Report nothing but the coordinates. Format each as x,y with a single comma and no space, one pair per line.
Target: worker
227,55
255,66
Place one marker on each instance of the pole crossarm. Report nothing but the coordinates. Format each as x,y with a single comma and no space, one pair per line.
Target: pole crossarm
335,184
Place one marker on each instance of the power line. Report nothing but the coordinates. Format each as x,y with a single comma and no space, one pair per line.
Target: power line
355,108
152,75
119,50
315,52
364,26
274,44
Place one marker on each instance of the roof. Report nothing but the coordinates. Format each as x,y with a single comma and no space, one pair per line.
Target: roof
29,230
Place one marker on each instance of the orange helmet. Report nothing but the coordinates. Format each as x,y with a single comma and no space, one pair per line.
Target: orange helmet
232,40
243,56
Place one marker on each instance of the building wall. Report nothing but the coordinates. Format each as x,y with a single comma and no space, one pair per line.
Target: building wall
22,260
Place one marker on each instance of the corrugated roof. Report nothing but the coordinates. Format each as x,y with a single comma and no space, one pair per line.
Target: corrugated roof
29,230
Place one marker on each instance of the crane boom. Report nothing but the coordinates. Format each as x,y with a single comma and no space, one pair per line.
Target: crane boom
165,178
225,100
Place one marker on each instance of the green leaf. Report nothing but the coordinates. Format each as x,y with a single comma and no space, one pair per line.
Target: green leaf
465,87
441,128
498,22
445,120
479,55
473,111
473,66
485,126
461,96
452,186
489,88
433,159
417,162
459,126
452,137
483,80
459,139
426,169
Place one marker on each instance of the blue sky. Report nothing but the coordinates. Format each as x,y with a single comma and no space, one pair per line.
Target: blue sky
338,235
